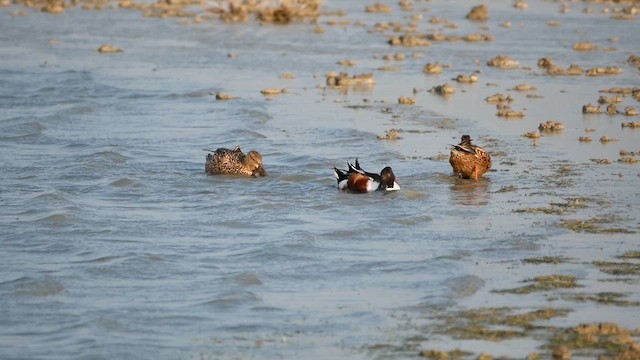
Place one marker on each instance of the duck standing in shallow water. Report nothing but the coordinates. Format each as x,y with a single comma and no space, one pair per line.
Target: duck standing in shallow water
469,161
226,161
357,180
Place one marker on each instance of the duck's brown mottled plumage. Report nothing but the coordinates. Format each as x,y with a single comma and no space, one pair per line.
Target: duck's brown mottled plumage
226,161
469,161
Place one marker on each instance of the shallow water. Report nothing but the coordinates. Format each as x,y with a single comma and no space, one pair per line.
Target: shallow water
116,244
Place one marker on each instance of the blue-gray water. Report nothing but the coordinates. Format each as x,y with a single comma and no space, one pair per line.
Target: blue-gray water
116,244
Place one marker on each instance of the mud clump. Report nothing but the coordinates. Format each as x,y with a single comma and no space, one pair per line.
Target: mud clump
406,100
473,78
551,126
409,41
524,87
432,68
343,79
498,98
224,96
506,112
591,109
583,46
392,134
532,135
378,8
503,62
609,100
444,90
478,13
282,12
604,71
109,49
633,124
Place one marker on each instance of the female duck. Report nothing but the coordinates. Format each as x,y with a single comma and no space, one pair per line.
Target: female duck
469,161
226,161
357,180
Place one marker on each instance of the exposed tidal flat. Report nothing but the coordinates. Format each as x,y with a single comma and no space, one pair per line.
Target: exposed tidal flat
116,243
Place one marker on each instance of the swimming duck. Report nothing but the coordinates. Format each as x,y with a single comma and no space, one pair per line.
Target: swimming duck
226,161
355,179
469,161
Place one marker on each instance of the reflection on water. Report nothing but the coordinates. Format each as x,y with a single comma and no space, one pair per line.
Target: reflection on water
470,192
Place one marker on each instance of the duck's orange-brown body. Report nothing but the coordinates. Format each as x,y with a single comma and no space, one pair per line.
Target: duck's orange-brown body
469,161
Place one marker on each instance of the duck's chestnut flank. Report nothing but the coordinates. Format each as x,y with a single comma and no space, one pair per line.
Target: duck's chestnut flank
355,179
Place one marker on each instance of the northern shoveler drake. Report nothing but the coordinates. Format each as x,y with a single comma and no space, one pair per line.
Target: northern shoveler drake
226,161
469,161
357,180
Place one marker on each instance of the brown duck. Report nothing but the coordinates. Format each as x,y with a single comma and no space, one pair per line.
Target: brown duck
469,161
226,161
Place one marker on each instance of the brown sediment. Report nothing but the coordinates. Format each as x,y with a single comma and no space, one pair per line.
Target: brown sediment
479,12
621,90
606,139
616,342
585,139
618,268
551,126
604,71
389,68
409,41
532,135
594,225
444,89
630,111
604,298
629,153
571,204
273,91
543,283
434,68
494,324
628,160
508,113
378,8
287,76
524,87
503,62
633,254
392,134
466,78
444,355
498,98
343,79
346,63
584,46
545,260
106,48
406,100
601,161
223,96
609,100
572,70
591,109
